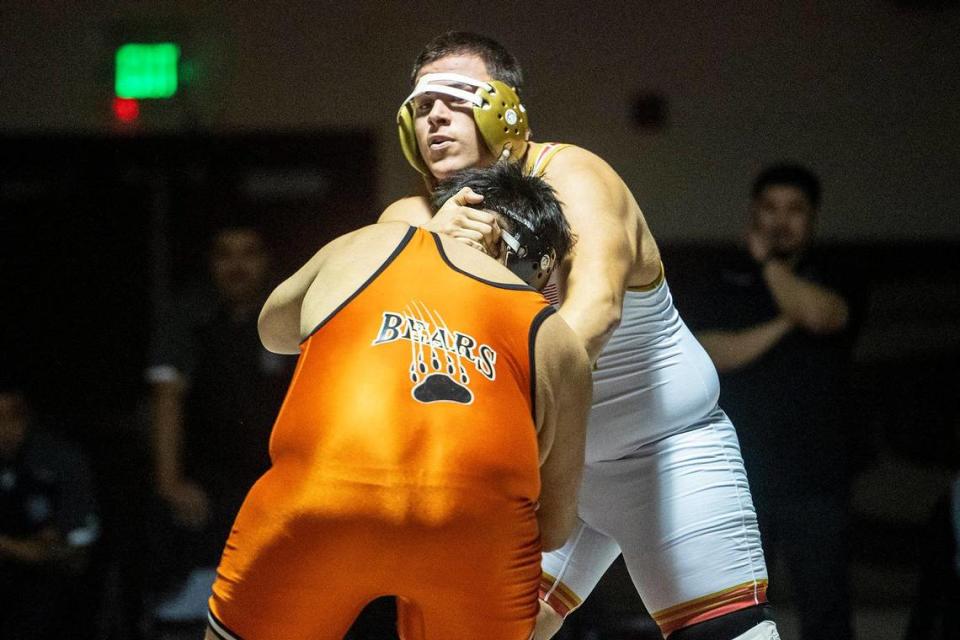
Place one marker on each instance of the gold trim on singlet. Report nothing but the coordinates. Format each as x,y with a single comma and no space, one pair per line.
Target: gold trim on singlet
711,606
536,165
651,286
558,595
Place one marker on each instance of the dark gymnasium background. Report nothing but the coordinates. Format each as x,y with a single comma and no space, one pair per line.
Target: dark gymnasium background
282,113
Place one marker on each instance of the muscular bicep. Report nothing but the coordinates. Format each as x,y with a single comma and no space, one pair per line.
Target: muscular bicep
604,218
279,321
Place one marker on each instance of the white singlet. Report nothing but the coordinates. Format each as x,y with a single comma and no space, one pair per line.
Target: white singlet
664,482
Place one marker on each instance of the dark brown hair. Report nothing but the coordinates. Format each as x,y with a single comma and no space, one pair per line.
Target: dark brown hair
500,63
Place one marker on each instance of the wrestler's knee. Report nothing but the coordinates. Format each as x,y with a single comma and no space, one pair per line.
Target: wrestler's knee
752,623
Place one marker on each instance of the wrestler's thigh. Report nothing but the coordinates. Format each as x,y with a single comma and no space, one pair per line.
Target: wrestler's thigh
681,511
475,578
294,577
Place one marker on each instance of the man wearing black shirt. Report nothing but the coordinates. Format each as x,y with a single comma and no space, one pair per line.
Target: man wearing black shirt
779,325
48,523
214,392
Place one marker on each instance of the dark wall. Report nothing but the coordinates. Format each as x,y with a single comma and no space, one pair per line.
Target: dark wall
96,231
863,91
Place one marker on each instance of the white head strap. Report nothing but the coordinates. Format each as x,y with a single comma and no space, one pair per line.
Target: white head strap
426,84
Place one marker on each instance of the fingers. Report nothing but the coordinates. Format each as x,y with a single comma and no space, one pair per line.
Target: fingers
472,243
481,222
460,219
466,197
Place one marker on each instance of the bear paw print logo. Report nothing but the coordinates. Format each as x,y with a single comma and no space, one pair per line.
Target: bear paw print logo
440,377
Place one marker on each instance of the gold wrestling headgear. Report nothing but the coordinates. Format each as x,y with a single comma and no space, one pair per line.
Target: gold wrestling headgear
501,118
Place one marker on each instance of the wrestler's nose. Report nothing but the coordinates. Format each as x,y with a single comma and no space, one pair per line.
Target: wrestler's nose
439,113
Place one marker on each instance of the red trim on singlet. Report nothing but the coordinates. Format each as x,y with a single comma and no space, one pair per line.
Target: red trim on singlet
742,596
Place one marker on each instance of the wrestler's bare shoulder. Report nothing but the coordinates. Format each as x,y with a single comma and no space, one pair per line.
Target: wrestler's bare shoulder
365,241
342,266
593,192
572,159
414,210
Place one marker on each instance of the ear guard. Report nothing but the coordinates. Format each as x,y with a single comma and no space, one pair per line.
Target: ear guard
500,117
528,256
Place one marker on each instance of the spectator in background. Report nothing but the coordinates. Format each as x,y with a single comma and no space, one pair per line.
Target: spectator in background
935,612
214,393
779,324
48,522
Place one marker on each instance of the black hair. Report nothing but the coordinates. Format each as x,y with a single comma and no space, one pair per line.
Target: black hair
790,174
500,63
506,190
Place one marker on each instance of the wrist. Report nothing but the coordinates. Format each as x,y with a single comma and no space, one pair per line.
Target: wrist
773,267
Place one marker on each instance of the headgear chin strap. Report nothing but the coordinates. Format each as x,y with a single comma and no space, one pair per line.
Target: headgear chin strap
528,256
500,117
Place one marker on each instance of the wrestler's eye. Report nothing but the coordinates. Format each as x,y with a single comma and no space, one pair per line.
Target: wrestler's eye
424,106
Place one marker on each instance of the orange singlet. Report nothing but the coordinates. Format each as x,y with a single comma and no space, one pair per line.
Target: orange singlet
405,462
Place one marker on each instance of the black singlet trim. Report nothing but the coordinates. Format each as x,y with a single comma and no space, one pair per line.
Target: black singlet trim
386,263
498,285
219,622
538,320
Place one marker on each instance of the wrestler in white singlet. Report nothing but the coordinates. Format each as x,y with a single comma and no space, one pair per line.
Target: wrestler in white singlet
664,481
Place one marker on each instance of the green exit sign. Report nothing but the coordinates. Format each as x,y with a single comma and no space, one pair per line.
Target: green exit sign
147,70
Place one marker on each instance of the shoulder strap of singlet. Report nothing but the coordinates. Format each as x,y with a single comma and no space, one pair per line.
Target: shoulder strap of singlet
449,263
537,164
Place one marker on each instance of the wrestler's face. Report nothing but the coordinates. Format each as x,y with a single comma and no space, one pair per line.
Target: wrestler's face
447,134
239,264
784,216
13,424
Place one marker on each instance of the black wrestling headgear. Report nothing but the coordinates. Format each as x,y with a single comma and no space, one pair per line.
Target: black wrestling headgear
528,256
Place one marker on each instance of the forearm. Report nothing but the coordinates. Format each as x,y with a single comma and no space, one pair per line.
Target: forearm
35,550
811,306
732,350
167,418
593,320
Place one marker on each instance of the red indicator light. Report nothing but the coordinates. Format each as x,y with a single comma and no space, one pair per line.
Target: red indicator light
126,109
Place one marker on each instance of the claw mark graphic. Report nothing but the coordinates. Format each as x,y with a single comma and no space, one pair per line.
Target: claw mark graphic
436,368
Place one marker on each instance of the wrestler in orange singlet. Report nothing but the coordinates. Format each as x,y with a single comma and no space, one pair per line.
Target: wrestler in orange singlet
431,438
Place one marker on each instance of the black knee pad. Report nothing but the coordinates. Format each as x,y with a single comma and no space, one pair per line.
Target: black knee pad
725,627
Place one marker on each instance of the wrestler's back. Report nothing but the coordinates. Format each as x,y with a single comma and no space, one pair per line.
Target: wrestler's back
347,412
405,455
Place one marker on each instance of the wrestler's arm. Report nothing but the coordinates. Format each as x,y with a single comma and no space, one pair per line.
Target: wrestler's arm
279,321
563,400
337,268
604,217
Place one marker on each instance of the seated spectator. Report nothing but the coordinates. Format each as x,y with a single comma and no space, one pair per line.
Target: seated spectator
48,522
935,614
